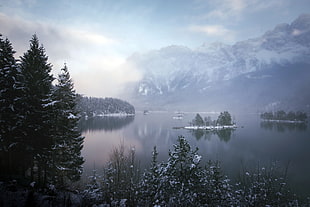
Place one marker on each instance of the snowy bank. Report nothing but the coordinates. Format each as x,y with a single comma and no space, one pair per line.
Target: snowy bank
114,115
211,127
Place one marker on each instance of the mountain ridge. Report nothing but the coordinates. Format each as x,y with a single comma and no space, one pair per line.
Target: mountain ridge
176,70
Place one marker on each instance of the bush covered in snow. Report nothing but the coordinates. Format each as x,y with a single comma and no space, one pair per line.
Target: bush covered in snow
183,180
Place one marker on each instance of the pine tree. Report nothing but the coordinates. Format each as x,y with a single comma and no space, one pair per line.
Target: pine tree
67,140
224,119
37,94
150,193
198,121
181,176
93,194
10,107
217,190
183,182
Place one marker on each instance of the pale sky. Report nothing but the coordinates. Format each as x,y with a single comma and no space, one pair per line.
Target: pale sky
94,37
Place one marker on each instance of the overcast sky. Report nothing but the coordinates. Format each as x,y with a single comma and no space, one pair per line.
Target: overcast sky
94,37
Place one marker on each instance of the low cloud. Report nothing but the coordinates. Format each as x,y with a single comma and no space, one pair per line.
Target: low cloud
104,76
213,30
92,58
228,9
297,32
90,37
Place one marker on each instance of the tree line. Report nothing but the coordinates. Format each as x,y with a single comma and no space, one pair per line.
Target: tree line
282,115
39,139
92,106
223,119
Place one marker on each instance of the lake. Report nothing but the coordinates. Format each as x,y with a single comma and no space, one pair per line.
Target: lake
253,143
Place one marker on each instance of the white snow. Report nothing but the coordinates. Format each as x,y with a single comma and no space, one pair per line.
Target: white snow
50,103
196,159
12,145
211,127
32,184
72,116
121,114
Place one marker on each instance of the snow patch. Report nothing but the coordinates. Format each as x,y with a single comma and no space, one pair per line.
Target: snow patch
50,104
197,159
72,116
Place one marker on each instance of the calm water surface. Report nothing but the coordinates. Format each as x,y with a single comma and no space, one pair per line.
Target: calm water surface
252,143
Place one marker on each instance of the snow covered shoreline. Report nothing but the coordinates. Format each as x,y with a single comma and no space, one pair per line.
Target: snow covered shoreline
108,115
114,115
211,127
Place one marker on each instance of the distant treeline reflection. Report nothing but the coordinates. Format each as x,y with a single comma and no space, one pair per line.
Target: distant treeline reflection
106,123
283,126
223,134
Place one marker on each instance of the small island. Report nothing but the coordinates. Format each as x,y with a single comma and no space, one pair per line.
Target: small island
224,121
284,117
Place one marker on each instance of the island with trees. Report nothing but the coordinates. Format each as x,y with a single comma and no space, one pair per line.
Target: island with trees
224,121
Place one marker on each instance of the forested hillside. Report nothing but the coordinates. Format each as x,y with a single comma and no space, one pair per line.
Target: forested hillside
91,106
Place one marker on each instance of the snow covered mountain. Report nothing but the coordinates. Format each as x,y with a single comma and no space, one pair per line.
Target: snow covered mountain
175,73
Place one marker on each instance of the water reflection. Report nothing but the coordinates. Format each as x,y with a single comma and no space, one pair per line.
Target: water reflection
198,133
255,142
283,126
223,135
105,123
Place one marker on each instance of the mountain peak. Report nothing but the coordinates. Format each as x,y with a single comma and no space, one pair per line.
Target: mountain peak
176,70
300,30
302,22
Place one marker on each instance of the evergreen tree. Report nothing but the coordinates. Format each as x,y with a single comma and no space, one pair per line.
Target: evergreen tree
301,116
280,115
198,121
183,182
10,107
208,121
267,115
181,176
37,94
67,140
217,190
291,116
149,188
224,119
93,194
